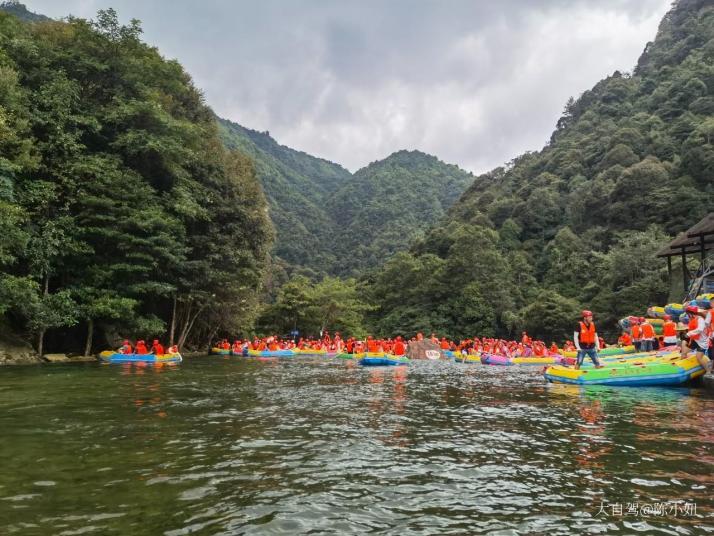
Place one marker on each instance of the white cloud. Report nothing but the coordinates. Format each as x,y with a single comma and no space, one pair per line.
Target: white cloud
474,83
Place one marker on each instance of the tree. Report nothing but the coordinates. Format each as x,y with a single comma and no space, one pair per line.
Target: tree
337,306
551,316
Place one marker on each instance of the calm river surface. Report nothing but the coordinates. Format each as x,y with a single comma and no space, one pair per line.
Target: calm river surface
232,446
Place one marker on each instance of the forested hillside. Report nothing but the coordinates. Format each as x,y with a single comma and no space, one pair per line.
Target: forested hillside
332,222
18,9
120,211
389,204
299,189
630,163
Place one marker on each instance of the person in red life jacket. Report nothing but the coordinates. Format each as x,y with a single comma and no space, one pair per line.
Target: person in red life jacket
225,345
443,344
157,348
173,349
698,333
237,347
647,335
141,348
525,339
636,332
669,331
554,348
399,348
125,347
602,343
586,340
625,339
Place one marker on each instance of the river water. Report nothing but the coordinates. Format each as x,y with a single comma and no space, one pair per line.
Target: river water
233,446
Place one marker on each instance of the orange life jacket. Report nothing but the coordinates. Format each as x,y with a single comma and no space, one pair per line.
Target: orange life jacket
670,329
647,331
587,333
636,332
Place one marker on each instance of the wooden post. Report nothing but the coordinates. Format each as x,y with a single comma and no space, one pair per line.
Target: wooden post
701,246
669,268
684,271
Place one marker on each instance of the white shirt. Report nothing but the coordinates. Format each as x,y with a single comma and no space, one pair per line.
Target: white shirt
700,333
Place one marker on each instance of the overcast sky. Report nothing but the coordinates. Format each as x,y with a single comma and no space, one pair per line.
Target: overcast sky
474,82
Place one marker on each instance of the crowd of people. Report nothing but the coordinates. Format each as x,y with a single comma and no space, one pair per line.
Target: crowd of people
141,349
525,347
697,336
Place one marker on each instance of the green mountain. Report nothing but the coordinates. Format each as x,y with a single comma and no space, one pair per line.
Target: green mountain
389,204
330,221
19,10
298,187
577,223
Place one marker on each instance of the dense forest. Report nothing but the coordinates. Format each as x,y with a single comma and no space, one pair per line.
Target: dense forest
299,188
120,210
330,222
128,207
629,165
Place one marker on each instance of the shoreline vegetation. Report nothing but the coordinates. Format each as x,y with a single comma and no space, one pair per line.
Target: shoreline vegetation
128,209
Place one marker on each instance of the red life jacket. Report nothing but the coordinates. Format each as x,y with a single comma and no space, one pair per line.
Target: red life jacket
587,333
670,329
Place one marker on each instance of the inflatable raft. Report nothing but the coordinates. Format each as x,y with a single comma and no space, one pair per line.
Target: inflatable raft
664,371
310,351
110,356
380,359
271,353
493,359
606,352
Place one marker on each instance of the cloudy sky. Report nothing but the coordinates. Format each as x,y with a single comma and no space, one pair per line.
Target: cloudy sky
474,82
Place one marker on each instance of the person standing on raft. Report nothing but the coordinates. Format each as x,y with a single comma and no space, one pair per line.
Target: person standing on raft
698,336
586,340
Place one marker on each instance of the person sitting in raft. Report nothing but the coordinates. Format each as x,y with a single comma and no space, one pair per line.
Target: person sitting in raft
625,339
141,348
698,334
399,348
125,347
586,340
225,345
157,348
554,348
173,349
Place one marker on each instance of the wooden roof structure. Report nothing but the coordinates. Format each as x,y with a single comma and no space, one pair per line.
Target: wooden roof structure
697,239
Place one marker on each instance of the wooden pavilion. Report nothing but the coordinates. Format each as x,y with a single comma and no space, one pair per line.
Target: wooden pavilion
697,240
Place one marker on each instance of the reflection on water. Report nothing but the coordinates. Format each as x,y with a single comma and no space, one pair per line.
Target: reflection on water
233,446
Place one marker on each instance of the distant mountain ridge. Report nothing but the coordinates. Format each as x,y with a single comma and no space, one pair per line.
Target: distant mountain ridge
21,12
331,221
